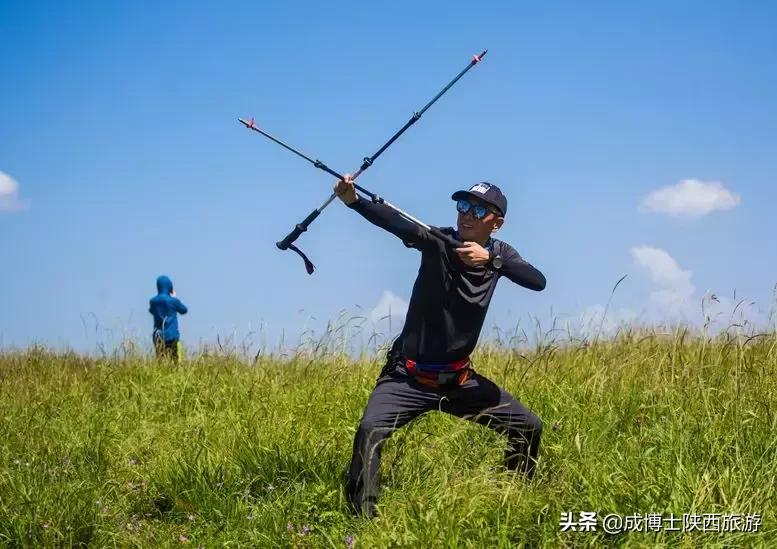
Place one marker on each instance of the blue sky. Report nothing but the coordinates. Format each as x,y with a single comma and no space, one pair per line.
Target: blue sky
629,139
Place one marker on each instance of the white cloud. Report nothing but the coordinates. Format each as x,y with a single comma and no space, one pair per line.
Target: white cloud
690,198
389,304
674,290
673,298
9,194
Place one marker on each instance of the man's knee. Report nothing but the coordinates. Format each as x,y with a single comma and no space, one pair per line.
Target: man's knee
372,431
535,425
527,426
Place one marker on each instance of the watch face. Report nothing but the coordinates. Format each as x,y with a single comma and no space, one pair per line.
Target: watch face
497,262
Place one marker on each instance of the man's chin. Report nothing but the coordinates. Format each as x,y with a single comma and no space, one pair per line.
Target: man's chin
465,234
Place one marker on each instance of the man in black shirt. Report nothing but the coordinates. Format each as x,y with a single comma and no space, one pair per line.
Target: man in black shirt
428,366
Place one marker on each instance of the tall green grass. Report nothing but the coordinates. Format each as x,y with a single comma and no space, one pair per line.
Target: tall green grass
223,451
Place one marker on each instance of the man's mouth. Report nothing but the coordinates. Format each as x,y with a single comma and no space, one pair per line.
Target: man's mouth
466,226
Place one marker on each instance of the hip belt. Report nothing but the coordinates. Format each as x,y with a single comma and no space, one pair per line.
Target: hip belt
440,375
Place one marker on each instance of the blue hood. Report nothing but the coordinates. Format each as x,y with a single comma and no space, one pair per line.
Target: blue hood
164,285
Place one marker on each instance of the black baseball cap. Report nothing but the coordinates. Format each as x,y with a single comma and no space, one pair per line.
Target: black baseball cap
488,193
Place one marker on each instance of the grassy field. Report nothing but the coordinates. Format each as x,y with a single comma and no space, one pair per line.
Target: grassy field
219,451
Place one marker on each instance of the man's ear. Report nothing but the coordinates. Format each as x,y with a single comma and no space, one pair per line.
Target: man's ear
498,222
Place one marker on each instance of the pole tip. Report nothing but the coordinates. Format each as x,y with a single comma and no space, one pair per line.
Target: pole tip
478,58
248,124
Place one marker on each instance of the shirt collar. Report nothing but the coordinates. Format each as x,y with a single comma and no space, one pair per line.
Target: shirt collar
489,243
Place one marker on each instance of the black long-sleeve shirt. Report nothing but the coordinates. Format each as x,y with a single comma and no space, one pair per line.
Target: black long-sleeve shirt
450,299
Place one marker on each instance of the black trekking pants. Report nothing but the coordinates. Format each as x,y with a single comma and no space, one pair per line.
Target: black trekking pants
398,399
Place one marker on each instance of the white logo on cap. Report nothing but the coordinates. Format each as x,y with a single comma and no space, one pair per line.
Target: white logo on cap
481,188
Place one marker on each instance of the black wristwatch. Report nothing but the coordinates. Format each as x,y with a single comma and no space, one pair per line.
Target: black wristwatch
494,261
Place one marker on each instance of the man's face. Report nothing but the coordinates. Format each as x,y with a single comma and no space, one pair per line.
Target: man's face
473,229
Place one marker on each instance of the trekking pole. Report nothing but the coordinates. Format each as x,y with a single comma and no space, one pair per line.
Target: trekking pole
288,241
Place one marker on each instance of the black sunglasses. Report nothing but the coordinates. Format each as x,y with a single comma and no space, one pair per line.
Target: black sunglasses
478,211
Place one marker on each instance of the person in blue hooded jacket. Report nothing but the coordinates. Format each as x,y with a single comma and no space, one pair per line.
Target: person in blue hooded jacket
164,307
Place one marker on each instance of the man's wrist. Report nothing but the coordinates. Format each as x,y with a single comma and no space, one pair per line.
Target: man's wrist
494,261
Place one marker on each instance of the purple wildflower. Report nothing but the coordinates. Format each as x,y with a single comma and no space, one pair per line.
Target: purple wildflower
305,530
349,541
290,527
